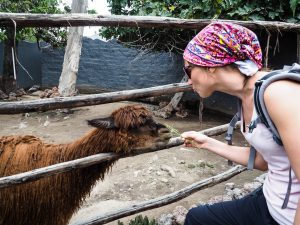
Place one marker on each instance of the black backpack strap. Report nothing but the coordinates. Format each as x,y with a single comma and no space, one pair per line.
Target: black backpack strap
232,123
288,191
252,154
251,160
231,126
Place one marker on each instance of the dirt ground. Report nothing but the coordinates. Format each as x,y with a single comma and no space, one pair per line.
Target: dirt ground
139,178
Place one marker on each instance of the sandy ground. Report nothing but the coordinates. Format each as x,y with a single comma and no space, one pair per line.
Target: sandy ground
134,179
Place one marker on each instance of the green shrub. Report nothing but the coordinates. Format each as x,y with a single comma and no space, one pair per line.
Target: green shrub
140,220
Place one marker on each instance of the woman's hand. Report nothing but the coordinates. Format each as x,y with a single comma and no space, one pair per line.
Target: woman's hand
239,155
195,139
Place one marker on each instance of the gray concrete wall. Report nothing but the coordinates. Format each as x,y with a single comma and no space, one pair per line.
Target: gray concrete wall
110,65
30,58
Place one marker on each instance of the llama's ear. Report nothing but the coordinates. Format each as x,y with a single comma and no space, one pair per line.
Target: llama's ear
106,123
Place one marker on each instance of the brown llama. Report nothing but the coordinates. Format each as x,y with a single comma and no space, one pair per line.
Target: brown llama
53,200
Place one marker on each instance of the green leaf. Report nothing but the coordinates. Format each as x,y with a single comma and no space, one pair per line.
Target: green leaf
256,17
293,4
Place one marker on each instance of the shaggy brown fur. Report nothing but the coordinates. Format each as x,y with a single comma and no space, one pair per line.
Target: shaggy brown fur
53,200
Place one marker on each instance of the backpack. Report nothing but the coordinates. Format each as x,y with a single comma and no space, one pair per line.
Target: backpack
287,73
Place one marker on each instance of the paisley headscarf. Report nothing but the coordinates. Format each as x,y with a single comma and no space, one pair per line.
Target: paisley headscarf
222,43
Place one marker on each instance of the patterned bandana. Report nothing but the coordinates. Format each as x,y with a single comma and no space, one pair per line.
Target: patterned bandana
219,44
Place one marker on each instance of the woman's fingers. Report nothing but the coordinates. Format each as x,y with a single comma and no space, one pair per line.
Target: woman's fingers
193,135
193,138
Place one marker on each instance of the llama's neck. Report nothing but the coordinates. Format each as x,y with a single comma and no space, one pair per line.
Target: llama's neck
97,141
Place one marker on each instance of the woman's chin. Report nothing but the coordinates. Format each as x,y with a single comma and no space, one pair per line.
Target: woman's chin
202,95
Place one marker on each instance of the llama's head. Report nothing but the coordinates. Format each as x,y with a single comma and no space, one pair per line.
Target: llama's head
133,127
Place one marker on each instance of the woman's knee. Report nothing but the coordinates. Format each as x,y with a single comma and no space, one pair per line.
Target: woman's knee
195,216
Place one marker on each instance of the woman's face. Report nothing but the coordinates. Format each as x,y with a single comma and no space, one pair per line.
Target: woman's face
201,80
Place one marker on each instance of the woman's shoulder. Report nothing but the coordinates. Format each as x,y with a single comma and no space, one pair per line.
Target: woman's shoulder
282,90
282,100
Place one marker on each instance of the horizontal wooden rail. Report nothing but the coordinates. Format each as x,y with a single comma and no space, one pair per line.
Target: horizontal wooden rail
68,20
163,200
87,100
91,160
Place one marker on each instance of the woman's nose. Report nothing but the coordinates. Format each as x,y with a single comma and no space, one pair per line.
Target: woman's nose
190,81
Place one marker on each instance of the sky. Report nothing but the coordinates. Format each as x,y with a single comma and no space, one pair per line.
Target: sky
100,6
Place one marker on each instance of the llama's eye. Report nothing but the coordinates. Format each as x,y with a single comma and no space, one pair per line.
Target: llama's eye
144,130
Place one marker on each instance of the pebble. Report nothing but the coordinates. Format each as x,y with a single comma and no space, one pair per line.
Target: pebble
164,180
168,169
165,219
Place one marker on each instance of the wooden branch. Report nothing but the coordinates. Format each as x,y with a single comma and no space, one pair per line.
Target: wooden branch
164,200
86,100
166,111
67,20
94,159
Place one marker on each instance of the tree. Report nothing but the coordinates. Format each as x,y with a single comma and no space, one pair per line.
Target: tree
175,40
54,36
67,80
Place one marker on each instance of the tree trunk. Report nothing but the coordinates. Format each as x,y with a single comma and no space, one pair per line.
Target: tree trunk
7,81
67,80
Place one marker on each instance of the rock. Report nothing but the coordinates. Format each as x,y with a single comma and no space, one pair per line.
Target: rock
3,95
37,93
20,92
219,198
33,89
198,204
12,96
168,169
229,186
179,214
155,158
50,93
136,173
238,193
261,178
158,173
150,169
181,162
47,122
164,180
165,219
22,125
249,187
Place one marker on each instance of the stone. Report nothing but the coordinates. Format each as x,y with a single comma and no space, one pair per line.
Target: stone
249,187
229,186
168,169
179,214
165,219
